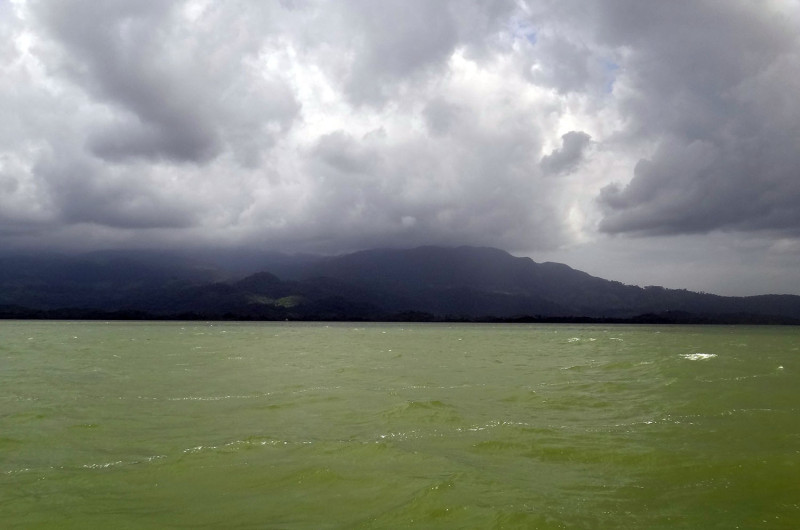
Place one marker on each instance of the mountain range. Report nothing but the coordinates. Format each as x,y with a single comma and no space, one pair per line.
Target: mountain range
424,283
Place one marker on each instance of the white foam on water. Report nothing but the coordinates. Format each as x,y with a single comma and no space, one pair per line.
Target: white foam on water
15,471
573,339
398,435
102,466
493,424
573,366
698,356
215,398
106,465
254,443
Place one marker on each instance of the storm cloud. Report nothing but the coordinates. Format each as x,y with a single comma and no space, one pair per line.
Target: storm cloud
567,158
534,126
711,86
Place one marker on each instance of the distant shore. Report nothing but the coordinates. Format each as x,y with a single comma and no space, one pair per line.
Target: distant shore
669,317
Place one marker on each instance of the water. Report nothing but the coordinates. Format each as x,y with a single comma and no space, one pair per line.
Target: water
286,425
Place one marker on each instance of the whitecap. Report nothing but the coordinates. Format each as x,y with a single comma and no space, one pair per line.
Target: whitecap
698,356
15,471
102,466
214,398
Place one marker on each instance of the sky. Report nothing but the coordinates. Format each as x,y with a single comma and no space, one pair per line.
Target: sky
653,143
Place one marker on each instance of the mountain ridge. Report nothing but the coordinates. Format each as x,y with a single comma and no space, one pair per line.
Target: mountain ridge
427,282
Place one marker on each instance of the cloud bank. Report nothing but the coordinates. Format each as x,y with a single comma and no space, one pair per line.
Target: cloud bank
332,126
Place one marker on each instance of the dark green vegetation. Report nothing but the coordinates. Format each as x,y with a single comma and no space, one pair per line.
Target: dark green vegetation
421,284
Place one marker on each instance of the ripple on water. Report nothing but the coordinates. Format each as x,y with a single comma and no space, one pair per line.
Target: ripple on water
433,411
501,447
585,434
529,396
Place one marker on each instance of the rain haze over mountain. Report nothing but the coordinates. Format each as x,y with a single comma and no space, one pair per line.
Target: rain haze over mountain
645,142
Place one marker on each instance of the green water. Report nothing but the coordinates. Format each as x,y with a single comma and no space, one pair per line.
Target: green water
284,425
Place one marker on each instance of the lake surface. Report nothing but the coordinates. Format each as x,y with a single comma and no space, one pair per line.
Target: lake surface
295,425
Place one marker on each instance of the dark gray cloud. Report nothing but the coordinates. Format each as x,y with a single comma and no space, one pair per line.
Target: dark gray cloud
397,44
83,191
441,117
345,154
569,66
704,186
178,92
476,184
569,156
710,85
399,41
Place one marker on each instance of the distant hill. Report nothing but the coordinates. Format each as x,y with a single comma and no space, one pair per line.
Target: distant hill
486,281
424,283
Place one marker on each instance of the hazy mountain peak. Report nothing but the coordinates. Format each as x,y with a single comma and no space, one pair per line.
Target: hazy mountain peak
470,282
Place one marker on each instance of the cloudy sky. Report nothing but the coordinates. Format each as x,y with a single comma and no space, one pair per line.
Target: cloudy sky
644,141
